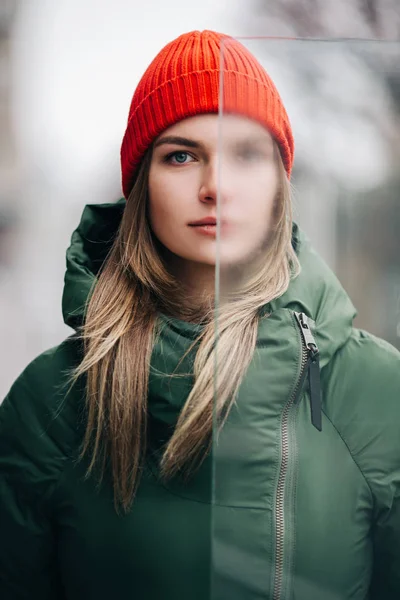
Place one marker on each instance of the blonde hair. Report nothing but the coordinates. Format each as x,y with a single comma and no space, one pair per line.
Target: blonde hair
119,332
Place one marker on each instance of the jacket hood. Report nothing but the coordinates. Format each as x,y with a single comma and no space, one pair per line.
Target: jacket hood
316,291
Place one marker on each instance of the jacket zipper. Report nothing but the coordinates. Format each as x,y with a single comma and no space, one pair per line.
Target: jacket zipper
310,359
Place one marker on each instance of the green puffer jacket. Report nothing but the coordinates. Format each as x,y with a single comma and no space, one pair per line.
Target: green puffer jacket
285,507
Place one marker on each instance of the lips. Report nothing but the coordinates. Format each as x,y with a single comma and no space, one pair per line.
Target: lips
203,222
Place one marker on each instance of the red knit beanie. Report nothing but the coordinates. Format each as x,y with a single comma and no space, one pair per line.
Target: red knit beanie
184,79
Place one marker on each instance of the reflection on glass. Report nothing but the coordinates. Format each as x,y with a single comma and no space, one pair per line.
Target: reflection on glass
296,427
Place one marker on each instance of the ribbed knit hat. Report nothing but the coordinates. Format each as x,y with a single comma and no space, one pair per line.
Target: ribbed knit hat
183,80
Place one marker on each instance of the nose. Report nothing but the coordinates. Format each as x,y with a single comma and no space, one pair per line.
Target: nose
216,181
208,192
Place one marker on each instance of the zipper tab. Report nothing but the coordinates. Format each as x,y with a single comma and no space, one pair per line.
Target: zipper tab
313,370
307,333
315,392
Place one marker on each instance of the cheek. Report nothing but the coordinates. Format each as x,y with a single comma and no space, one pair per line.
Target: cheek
159,209
167,206
261,197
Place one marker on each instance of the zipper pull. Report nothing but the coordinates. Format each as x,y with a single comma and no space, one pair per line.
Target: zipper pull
313,371
315,391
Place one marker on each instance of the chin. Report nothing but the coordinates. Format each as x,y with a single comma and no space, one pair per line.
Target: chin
208,261
227,258
233,259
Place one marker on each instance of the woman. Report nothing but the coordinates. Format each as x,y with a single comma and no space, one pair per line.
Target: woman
160,453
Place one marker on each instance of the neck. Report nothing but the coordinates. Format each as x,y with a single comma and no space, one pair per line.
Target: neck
198,283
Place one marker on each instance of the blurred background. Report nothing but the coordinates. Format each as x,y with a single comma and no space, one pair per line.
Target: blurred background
67,73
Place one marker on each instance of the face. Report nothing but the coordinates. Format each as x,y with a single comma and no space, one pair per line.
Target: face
197,179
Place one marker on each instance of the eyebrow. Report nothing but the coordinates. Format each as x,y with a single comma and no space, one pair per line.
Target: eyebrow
177,141
182,141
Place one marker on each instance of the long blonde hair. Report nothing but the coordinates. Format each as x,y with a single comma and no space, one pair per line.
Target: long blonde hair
133,287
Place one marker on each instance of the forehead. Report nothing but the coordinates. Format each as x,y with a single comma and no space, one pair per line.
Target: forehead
209,129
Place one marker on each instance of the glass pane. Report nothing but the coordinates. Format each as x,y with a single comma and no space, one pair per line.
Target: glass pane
281,490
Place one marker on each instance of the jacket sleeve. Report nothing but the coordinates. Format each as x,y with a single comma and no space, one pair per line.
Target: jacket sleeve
29,470
383,473
369,422
385,483
386,536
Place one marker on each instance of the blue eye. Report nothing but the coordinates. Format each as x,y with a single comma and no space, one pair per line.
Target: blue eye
178,158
